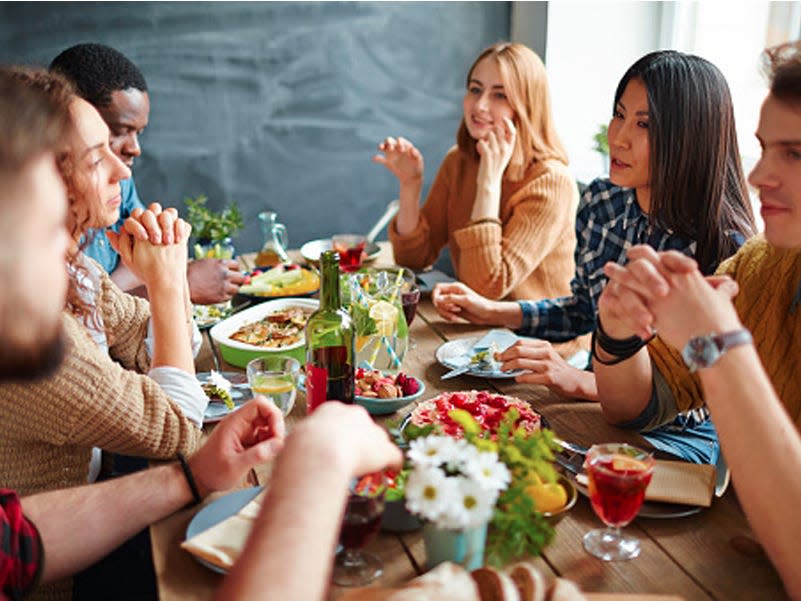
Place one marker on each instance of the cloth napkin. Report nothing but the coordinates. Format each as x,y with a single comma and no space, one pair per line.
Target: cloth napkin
691,437
222,544
681,482
502,338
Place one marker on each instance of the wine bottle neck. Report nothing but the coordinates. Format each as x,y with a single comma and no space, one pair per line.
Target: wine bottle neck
329,284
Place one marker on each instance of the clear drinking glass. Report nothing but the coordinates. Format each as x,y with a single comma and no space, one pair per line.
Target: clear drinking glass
618,476
362,520
276,378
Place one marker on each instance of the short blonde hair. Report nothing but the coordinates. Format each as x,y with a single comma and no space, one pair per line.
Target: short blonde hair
526,85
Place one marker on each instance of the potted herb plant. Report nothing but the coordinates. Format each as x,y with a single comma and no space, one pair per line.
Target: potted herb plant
212,230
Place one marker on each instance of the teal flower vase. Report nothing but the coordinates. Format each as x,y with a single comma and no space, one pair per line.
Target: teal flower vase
464,547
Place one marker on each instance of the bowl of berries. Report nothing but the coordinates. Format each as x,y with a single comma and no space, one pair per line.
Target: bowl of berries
383,392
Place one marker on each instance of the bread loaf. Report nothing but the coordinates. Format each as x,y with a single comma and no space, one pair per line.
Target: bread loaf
446,581
528,580
564,590
494,585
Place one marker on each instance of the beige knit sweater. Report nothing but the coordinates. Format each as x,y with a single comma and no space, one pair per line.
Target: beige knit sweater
768,278
529,255
49,427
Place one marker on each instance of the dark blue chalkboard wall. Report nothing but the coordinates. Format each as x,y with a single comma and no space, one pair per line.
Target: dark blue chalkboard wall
281,104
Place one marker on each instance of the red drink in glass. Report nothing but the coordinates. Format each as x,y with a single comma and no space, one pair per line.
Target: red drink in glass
617,488
409,301
362,520
350,248
618,476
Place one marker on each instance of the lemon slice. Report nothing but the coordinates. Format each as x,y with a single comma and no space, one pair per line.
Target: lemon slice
272,385
385,315
621,463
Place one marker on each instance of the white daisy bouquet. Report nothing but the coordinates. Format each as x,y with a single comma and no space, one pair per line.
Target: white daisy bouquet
459,484
452,483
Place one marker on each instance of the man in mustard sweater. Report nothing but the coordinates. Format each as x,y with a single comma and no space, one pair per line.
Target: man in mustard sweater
741,357
80,525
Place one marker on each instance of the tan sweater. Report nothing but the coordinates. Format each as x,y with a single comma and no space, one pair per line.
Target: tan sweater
49,427
528,256
768,278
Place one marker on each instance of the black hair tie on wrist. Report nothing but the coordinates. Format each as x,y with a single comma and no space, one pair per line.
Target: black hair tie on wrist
190,479
621,349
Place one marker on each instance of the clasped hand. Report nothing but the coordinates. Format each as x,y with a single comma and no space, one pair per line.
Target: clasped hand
153,244
665,291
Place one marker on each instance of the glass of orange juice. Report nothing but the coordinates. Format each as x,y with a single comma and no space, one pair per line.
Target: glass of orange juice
276,378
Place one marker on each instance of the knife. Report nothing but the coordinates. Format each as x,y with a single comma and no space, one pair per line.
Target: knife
456,372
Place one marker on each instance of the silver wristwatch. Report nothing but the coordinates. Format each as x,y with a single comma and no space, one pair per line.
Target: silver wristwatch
704,351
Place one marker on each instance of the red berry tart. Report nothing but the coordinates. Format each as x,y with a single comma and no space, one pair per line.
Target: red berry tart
487,408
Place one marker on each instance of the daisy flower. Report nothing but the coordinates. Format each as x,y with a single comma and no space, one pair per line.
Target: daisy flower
431,450
473,506
429,492
488,471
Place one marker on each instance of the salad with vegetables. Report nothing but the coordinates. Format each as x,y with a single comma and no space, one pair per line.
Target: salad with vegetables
282,280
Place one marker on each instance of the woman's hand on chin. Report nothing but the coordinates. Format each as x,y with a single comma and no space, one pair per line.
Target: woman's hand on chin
496,152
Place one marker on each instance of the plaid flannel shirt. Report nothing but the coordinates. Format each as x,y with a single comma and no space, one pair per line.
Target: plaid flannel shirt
609,222
20,550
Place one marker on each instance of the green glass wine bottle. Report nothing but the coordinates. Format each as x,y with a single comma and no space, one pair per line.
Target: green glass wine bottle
329,342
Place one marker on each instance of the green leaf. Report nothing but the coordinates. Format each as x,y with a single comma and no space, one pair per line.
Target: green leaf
208,225
362,322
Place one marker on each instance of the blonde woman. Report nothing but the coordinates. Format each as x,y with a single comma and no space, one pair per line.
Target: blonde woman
503,200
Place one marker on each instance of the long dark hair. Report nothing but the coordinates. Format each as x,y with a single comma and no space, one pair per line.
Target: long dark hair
697,185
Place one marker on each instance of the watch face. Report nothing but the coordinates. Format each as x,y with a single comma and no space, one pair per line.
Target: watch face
700,352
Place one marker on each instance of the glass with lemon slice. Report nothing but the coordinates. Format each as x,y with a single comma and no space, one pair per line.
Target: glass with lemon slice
618,475
275,378
376,309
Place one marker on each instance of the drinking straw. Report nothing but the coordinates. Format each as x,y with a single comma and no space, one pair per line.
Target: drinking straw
393,356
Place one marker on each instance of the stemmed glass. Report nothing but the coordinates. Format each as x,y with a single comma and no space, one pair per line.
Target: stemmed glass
618,476
354,567
409,300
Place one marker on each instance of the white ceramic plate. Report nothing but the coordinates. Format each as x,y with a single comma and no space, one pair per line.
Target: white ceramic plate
216,512
451,354
240,392
312,250
222,331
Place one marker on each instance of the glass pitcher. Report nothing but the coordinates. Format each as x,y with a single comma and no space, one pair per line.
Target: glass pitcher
276,241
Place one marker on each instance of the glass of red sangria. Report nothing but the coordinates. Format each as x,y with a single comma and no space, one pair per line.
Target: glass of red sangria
618,476
351,249
362,520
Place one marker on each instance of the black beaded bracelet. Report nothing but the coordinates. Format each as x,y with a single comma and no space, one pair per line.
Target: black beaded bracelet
189,478
621,349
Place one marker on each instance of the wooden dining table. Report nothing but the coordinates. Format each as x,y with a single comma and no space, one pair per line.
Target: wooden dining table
713,554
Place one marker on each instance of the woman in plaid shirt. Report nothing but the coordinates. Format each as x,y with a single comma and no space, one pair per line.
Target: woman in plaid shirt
675,183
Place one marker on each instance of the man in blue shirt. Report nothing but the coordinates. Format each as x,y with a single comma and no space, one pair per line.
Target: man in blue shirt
117,89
